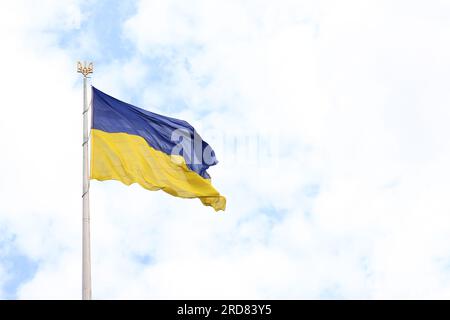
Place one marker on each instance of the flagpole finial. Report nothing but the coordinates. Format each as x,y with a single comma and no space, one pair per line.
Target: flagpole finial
84,68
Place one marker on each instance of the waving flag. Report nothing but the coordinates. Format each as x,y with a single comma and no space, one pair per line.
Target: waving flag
133,145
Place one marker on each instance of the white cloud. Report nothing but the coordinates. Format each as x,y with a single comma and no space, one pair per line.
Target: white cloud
41,137
354,90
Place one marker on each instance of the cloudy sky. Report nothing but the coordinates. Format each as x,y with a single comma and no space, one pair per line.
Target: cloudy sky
330,120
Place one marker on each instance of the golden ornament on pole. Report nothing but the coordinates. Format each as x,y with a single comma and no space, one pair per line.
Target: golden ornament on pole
85,68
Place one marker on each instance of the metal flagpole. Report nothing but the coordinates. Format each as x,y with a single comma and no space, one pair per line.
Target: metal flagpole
86,69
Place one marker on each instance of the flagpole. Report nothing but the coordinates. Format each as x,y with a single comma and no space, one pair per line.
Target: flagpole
86,69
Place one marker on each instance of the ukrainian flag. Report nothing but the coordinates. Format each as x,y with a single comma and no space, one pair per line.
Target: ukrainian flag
133,145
